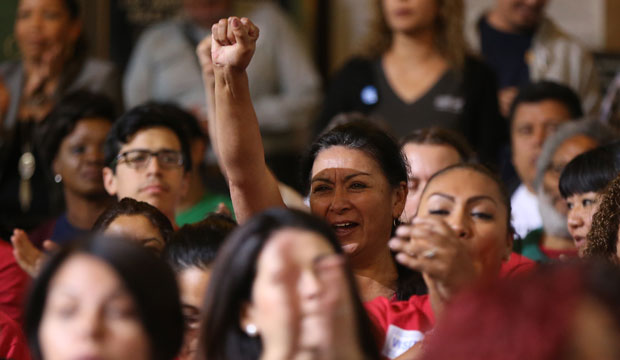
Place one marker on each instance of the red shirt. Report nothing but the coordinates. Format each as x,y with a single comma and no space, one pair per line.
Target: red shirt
402,324
13,343
14,284
516,265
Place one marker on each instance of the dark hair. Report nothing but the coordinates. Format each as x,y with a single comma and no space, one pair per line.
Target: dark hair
481,169
149,280
74,9
591,171
231,285
548,90
363,136
189,122
128,206
196,245
440,136
63,118
144,117
602,239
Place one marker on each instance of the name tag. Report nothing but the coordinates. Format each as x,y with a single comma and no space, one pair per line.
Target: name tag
398,340
449,103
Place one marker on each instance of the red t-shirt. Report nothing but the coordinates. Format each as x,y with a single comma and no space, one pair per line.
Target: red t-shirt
14,284
13,343
401,324
516,265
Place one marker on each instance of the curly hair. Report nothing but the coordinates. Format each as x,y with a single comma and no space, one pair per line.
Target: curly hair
449,38
603,235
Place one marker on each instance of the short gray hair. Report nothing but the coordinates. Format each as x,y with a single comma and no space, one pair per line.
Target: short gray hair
586,127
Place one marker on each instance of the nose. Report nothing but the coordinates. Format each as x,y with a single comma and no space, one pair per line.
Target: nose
91,324
540,134
94,155
460,224
340,201
575,220
153,166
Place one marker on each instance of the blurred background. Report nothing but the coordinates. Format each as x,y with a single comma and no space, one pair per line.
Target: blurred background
333,29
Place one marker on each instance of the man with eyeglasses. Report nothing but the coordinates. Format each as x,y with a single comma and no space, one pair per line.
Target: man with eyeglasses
147,158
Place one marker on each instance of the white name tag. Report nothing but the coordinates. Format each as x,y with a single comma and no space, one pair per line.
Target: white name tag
398,340
449,103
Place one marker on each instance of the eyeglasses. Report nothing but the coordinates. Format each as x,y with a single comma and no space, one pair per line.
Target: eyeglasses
140,159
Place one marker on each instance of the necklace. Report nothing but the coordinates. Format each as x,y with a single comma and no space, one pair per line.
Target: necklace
26,166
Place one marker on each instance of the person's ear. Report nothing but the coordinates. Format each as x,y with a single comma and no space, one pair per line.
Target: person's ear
399,198
55,166
247,320
110,182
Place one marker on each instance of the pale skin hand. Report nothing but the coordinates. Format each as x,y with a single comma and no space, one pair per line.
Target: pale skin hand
28,257
448,271
239,146
281,338
208,78
338,327
341,341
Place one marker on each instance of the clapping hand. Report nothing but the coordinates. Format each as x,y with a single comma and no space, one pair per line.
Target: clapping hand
430,246
28,257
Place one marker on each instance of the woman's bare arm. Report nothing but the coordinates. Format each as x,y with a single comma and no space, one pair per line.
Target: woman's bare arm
239,146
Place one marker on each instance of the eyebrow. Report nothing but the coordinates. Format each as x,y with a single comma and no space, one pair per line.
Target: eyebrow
470,200
346,178
149,240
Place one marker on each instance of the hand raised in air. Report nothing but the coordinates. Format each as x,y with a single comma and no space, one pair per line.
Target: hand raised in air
233,43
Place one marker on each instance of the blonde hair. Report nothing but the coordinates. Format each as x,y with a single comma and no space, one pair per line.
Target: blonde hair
449,38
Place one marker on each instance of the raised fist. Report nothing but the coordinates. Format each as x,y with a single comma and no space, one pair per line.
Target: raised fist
233,43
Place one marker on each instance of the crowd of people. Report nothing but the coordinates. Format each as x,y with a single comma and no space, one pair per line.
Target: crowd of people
459,199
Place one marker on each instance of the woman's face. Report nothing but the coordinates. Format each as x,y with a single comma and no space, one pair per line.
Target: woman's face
89,314
349,189
475,211
581,208
193,282
80,158
567,151
43,27
424,161
410,16
138,228
287,302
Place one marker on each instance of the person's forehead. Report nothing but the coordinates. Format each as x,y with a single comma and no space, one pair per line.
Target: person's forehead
153,138
431,155
451,183
302,247
574,146
340,157
541,112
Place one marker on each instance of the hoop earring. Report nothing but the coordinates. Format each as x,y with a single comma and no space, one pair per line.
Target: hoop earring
57,178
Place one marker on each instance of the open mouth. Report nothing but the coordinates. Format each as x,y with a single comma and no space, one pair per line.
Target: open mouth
344,228
580,241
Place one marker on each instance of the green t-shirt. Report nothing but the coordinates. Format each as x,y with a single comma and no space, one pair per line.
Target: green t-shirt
530,246
198,212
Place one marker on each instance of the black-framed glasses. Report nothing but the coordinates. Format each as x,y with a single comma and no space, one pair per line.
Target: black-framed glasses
139,159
